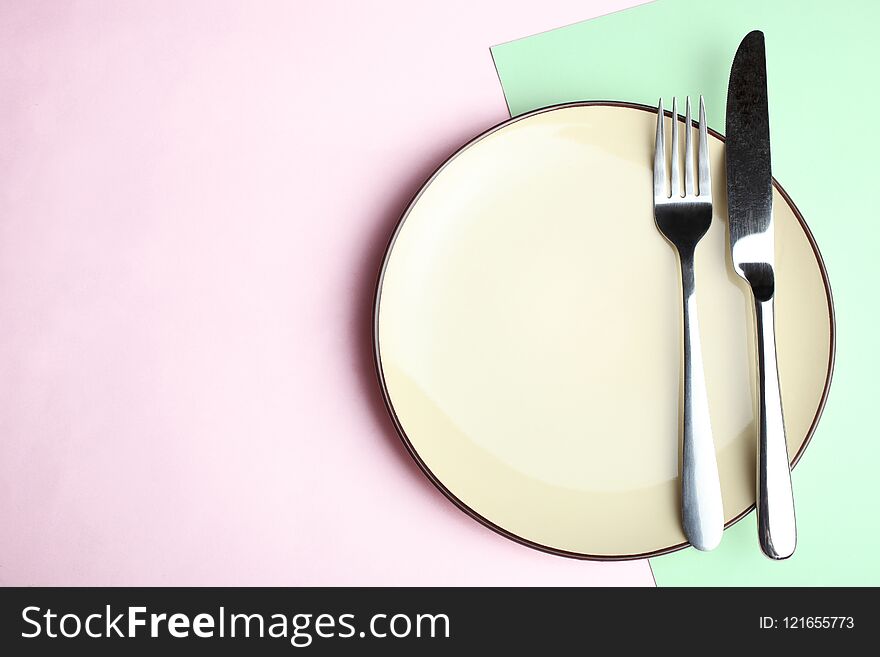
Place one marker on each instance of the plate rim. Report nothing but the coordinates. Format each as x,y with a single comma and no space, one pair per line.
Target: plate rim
386,398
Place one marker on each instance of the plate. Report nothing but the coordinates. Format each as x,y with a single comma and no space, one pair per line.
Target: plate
527,333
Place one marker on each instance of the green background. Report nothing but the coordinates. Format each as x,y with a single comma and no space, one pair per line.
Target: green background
822,63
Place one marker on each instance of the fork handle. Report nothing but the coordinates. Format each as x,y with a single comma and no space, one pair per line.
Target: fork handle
777,530
701,507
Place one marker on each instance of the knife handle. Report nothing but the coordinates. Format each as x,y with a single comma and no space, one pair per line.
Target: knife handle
702,511
777,530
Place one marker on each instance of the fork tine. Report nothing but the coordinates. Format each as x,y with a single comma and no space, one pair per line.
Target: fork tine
703,161
688,152
660,156
676,161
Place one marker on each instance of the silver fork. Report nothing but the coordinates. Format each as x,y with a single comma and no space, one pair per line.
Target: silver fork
683,220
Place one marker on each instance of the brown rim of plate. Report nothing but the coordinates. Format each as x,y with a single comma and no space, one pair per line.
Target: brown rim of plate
411,449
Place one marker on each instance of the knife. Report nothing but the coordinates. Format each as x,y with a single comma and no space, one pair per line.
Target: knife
750,219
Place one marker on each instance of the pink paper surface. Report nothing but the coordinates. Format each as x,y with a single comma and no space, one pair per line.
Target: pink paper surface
194,200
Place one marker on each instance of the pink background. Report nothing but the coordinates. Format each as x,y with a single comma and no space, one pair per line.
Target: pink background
194,200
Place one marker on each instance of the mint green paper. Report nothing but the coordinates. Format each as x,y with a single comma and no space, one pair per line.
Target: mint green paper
823,60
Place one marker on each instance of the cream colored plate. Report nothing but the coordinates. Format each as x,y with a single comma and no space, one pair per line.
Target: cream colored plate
528,335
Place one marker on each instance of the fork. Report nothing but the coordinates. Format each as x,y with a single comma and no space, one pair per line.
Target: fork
683,219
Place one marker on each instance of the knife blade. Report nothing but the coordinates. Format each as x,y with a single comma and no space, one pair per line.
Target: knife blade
749,178
750,221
